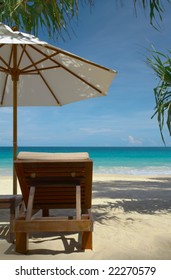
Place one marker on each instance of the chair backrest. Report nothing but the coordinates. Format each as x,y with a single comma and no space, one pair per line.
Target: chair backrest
55,181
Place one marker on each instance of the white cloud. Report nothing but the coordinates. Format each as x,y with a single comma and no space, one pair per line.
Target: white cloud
96,130
133,141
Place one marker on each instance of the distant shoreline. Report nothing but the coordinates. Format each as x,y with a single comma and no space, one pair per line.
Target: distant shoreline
150,161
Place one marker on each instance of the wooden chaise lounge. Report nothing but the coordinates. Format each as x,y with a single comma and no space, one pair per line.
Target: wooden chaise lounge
54,181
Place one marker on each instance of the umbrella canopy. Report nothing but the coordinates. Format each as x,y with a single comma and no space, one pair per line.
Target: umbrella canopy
35,73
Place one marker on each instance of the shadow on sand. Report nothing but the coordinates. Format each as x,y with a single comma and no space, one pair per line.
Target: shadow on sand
68,244
152,197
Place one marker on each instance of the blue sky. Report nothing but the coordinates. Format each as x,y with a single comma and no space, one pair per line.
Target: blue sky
113,36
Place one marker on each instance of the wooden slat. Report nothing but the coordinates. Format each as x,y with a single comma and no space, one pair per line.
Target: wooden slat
52,226
45,174
64,205
52,168
56,219
78,203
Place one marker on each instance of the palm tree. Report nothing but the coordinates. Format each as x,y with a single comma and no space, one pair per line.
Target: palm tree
161,64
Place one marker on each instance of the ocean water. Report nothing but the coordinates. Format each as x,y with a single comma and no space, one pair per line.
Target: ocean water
107,160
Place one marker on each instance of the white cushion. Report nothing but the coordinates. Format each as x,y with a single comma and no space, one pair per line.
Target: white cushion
51,156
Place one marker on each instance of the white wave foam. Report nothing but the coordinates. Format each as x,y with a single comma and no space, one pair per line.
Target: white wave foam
149,170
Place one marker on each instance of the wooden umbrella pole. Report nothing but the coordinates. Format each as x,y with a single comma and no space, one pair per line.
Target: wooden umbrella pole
14,135
15,81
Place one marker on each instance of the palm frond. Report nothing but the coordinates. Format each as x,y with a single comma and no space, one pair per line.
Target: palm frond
54,16
155,8
161,64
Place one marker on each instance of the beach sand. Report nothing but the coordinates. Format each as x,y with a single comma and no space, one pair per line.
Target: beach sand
132,221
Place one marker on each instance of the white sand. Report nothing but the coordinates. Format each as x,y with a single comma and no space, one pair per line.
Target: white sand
132,220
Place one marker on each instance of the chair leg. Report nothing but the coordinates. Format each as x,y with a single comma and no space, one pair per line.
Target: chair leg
12,218
87,240
21,242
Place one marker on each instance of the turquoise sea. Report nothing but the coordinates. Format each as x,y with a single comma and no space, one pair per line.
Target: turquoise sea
109,160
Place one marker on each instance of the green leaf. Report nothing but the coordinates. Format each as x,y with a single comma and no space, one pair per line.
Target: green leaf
53,16
161,64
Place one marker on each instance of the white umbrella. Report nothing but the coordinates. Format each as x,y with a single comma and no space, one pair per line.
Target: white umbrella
35,73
